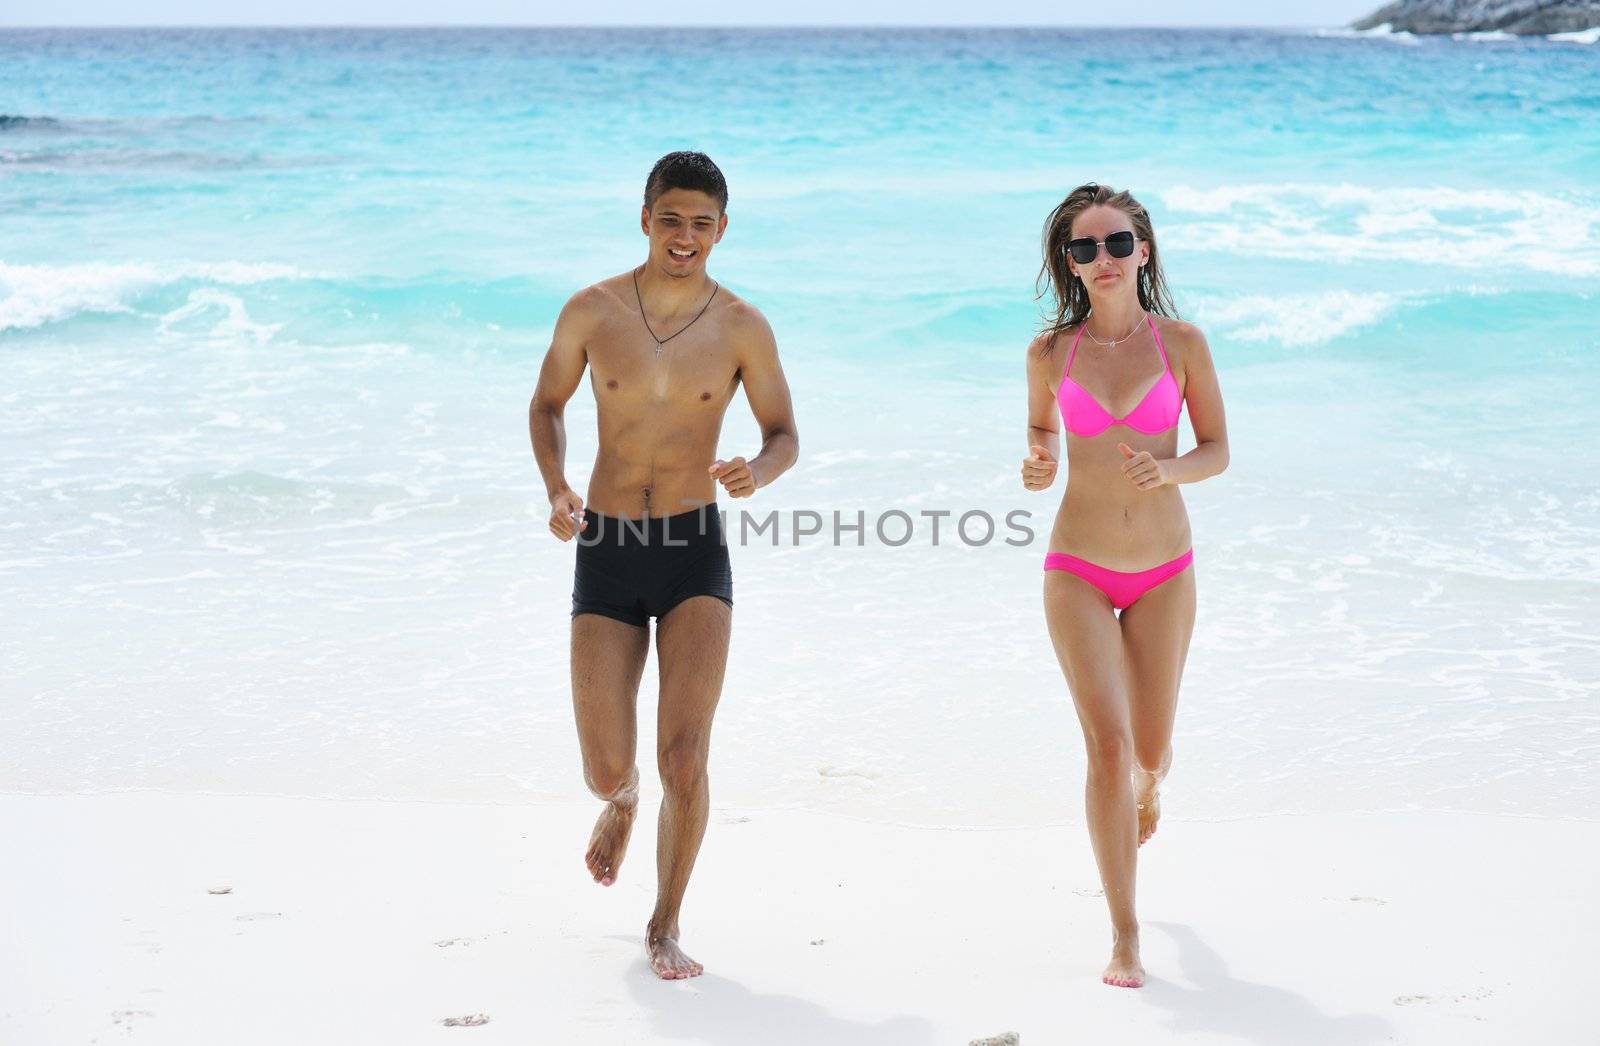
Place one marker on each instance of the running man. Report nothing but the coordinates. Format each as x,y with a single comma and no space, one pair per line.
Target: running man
666,347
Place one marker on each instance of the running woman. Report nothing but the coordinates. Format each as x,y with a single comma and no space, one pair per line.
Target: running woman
1116,366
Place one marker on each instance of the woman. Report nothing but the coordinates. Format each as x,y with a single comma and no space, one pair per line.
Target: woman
1118,367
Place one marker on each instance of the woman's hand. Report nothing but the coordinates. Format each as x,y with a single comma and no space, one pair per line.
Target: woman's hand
1143,469
1038,469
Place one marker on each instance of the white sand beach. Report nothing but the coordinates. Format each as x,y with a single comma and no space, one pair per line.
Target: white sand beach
375,922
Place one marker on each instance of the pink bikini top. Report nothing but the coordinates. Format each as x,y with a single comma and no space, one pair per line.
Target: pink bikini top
1156,413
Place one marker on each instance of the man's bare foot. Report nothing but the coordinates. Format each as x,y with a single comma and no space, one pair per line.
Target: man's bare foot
667,959
609,841
1125,970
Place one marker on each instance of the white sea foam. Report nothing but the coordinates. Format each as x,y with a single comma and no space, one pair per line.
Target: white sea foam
1582,36
1464,228
234,324
1295,320
1487,35
35,295
1386,31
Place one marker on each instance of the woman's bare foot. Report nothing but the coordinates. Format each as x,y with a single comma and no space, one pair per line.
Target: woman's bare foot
1147,798
667,959
1125,970
609,841
1147,795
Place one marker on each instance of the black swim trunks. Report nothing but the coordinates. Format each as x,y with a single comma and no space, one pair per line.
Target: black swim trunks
636,569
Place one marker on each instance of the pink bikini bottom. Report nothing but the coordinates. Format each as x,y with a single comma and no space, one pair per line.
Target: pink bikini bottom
1121,587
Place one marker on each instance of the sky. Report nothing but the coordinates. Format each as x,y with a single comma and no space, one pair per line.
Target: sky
683,12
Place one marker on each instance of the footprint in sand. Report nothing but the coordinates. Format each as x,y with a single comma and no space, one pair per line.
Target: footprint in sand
148,940
127,1016
1472,996
447,942
1089,893
838,773
471,1021
251,917
1379,901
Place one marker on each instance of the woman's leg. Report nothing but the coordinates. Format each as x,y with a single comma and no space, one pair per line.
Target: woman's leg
1088,644
1155,640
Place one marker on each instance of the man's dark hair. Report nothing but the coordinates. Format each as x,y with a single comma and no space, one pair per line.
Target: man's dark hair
686,170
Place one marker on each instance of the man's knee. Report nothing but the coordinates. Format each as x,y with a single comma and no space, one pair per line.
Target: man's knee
682,762
611,781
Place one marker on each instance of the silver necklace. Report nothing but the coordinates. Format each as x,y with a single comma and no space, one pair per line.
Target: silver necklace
1114,342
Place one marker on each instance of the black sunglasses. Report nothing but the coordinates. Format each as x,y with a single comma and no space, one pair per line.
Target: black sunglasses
1086,249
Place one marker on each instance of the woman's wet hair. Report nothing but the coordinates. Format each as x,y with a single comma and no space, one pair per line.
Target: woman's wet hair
686,170
1071,298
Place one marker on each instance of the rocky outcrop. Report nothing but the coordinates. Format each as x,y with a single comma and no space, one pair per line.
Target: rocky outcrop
1523,17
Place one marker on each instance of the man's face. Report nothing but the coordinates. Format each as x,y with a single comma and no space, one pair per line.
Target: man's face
683,226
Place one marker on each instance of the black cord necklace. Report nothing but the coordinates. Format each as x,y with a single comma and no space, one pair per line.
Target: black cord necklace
715,287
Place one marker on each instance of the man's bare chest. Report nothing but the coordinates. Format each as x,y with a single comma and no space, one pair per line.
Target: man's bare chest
629,365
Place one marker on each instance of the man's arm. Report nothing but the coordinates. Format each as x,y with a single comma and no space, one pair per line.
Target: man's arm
767,391
558,380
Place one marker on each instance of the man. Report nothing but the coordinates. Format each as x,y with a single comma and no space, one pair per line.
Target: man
666,348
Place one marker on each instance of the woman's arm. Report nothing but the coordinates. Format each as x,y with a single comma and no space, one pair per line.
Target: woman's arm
1044,436
1203,395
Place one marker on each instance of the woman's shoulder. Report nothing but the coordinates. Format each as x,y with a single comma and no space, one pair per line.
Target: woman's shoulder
1172,328
1042,349
1051,338
1180,336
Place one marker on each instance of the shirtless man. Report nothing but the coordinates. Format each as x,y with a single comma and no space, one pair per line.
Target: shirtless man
666,348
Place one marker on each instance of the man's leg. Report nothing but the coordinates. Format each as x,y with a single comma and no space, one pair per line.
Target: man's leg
692,651
607,660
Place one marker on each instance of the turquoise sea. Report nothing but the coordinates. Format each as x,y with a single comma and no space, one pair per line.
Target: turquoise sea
272,304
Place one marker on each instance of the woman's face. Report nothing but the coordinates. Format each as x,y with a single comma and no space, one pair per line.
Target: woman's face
1105,274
